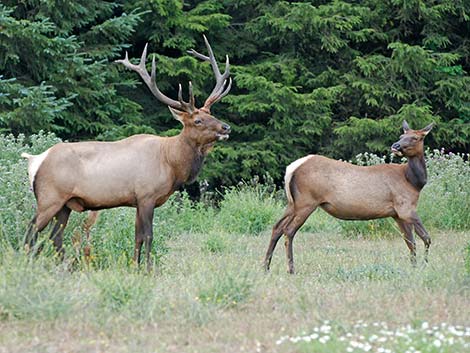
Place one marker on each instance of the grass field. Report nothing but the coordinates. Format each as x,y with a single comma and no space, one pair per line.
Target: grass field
355,289
204,299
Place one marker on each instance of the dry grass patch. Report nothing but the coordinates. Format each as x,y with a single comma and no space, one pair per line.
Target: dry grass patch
222,301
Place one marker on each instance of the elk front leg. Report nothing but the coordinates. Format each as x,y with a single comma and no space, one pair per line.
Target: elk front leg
407,230
144,231
423,234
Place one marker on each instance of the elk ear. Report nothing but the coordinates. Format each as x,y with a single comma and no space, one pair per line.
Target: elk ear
428,128
177,114
406,127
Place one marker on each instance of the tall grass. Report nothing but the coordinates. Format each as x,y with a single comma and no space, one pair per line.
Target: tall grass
250,208
208,292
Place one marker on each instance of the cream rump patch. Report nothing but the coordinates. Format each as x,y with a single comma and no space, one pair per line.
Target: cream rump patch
34,162
289,172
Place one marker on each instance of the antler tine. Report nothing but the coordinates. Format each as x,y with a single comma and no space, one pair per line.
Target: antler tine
220,94
192,101
198,55
151,83
187,106
143,58
220,88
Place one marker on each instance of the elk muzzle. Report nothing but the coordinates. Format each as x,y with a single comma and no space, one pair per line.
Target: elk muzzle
224,132
396,149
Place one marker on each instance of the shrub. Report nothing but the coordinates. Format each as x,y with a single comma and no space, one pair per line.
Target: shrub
16,201
248,208
445,200
214,244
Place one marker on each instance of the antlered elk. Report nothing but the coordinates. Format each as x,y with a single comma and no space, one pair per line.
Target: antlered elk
141,171
351,192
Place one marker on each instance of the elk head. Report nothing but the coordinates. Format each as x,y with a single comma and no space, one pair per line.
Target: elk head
199,126
411,143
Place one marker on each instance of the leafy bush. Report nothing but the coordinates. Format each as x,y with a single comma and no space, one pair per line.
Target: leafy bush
248,208
214,244
16,201
445,200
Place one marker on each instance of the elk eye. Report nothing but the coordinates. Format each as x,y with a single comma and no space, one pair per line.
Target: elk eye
197,121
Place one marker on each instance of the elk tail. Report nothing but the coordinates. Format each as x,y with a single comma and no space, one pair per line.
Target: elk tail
289,182
34,162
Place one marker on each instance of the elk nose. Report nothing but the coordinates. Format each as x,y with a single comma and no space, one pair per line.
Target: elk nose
226,127
396,146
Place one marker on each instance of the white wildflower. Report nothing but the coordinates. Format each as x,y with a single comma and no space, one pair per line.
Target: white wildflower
314,336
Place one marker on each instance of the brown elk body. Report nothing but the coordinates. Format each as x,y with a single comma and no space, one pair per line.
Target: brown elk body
141,171
351,192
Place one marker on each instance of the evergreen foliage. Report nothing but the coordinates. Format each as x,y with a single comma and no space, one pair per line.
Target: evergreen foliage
322,76
55,63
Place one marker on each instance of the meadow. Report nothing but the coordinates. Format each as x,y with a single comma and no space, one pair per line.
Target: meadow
355,289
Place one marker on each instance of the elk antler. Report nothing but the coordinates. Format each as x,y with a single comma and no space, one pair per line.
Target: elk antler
222,86
152,84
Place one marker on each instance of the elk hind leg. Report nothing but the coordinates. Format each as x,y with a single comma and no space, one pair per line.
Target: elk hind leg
423,234
89,222
291,229
61,218
31,234
277,232
43,217
407,230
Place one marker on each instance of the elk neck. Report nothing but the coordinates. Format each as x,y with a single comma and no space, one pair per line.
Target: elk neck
415,171
189,159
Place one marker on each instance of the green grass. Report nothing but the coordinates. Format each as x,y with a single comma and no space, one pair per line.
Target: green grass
223,301
208,291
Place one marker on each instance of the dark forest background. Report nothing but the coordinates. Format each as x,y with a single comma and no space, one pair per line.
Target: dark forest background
329,77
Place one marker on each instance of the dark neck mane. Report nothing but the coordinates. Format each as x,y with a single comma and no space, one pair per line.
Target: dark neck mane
196,166
415,172
191,160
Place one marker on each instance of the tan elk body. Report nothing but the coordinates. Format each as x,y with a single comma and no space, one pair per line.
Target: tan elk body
141,171
352,192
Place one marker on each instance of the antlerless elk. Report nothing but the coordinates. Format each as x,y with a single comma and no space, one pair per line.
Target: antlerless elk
352,192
